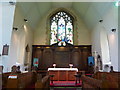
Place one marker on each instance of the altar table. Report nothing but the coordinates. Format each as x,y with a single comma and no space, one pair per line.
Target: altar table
63,74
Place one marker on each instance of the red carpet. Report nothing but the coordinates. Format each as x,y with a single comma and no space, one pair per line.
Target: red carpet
65,83
67,88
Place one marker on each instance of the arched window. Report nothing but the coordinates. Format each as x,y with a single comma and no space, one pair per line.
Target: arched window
61,28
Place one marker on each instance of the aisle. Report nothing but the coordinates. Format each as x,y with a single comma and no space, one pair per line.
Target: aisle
65,84
65,88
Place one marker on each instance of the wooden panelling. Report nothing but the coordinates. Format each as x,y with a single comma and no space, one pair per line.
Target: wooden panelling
63,75
47,58
61,59
76,59
62,56
85,52
55,73
71,75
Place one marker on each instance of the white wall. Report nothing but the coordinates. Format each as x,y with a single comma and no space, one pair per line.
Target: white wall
104,46
42,33
110,21
0,33
0,43
6,30
119,38
19,40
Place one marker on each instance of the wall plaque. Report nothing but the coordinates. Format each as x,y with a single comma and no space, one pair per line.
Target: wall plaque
5,49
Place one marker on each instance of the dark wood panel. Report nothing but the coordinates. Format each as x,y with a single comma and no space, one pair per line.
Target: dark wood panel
47,59
62,76
62,56
71,75
85,53
62,59
76,58
55,73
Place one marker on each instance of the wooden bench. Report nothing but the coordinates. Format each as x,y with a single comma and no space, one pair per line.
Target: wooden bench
43,83
88,82
4,79
102,80
23,80
100,75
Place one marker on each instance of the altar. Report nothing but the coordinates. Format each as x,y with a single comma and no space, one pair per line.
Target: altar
63,74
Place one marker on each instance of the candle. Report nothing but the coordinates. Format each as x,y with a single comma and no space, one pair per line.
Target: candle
54,65
71,65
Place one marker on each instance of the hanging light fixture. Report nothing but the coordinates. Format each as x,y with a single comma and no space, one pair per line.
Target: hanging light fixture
25,20
117,3
113,30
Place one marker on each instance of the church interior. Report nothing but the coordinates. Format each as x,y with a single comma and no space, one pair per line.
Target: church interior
59,45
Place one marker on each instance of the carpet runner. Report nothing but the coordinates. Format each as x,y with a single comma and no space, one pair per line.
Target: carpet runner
66,88
65,83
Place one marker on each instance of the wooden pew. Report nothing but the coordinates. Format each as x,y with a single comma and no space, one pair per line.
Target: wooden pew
23,80
110,80
4,79
43,83
100,75
88,82
103,80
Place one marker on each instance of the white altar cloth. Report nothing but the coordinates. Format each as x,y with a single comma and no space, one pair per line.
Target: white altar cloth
63,69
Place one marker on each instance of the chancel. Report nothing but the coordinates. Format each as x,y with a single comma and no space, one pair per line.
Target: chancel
57,45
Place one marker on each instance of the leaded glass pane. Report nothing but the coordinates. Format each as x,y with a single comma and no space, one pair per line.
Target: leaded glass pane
61,28
69,33
53,33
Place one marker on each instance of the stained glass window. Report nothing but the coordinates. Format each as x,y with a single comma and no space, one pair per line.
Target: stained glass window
61,28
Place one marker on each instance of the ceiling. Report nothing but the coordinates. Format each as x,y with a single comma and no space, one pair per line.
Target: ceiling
89,12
